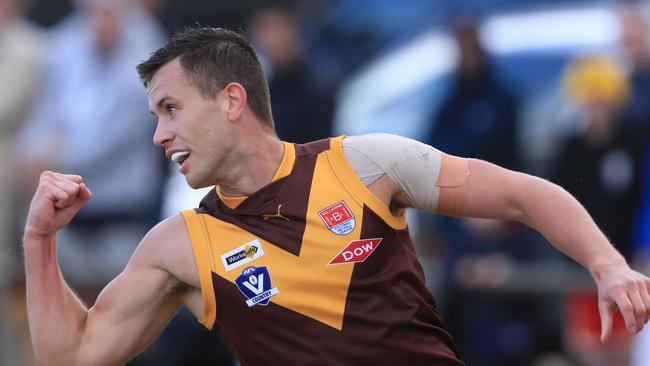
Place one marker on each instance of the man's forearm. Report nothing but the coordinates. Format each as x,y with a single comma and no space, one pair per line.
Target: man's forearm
497,193
56,316
564,222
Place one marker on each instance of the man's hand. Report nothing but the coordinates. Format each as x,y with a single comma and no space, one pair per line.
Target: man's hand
621,288
57,199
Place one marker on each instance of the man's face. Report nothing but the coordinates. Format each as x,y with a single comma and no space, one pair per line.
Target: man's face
194,130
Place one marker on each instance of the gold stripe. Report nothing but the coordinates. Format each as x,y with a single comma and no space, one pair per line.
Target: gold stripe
204,264
288,159
319,290
355,186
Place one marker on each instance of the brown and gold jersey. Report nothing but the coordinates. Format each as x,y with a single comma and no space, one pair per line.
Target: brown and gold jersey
313,269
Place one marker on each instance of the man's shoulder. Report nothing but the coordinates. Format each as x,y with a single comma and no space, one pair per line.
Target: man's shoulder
169,230
167,245
381,145
378,139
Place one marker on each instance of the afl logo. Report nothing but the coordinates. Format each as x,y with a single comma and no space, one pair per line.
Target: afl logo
255,284
338,218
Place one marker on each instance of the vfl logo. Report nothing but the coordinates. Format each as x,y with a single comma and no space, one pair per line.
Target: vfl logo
242,254
357,251
255,284
338,218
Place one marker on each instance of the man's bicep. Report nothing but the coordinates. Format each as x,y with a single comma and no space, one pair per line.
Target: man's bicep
130,312
494,192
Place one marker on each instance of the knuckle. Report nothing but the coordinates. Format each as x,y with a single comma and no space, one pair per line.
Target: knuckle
47,180
640,313
626,308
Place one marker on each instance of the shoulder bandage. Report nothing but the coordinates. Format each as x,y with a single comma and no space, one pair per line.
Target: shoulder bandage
431,180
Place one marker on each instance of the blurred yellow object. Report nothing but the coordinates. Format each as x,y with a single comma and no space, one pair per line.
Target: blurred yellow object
595,79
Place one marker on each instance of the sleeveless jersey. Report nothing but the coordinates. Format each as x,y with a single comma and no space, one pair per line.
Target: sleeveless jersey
313,269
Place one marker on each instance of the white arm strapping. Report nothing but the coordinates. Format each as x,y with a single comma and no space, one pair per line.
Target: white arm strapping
413,166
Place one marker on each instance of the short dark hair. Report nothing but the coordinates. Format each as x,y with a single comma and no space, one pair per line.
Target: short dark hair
212,58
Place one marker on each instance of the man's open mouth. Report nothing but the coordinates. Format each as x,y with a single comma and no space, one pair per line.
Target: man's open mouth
180,156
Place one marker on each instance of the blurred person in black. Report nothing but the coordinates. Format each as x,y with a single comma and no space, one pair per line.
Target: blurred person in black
601,152
478,117
302,109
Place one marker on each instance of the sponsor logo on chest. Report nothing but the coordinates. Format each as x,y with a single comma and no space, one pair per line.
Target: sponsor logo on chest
255,284
338,218
357,251
242,255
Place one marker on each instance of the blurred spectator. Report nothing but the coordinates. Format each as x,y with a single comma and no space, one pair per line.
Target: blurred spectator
21,45
301,110
601,165
478,118
634,41
20,70
91,118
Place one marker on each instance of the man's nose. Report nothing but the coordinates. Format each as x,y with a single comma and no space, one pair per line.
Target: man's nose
162,135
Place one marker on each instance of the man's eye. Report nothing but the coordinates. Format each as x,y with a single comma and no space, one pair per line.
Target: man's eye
171,108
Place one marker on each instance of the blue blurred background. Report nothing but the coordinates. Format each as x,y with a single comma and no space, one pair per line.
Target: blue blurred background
556,88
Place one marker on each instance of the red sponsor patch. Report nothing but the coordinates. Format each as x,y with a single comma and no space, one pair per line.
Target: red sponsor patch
338,218
357,251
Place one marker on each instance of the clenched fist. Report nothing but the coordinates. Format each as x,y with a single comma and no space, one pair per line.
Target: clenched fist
57,199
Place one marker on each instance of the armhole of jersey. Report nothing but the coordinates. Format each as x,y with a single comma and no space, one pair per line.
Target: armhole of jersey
204,264
349,179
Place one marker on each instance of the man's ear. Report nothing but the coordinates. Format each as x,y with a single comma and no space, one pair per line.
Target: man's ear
236,100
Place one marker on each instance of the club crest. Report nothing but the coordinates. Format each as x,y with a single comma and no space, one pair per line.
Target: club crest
338,218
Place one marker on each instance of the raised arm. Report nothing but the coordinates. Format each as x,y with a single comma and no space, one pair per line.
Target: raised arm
406,173
129,312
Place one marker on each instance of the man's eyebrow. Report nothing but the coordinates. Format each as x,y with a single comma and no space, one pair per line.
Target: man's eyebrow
161,102
159,105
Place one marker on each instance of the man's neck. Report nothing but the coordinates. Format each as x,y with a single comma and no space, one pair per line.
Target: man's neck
255,165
